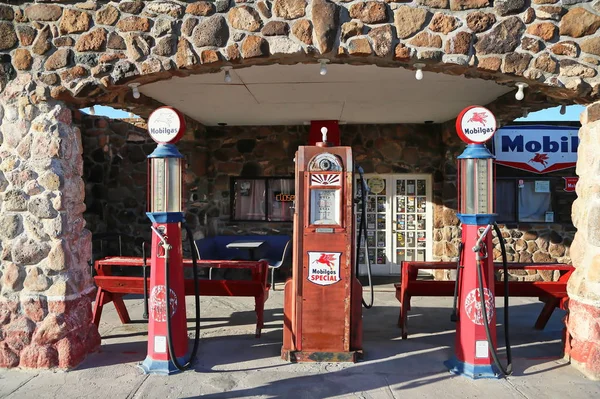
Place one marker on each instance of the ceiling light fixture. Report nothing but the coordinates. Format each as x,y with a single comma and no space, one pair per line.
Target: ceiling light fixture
419,73
563,109
520,93
227,77
323,70
134,89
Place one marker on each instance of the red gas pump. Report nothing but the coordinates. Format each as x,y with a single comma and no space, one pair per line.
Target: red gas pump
167,324
322,305
475,347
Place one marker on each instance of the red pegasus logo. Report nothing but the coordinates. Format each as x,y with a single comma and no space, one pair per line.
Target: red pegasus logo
539,158
326,259
478,117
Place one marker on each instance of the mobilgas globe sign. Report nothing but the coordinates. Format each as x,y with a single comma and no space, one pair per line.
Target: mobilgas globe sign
475,125
166,125
538,149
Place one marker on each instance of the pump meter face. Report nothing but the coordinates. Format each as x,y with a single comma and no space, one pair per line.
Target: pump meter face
158,185
166,185
476,185
482,187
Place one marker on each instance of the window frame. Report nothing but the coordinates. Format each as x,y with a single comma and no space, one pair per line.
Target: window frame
266,179
515,180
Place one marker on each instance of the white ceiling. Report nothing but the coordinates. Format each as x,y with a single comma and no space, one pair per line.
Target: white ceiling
295,94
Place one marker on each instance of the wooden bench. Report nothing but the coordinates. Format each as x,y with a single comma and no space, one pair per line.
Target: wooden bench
112,288
552,293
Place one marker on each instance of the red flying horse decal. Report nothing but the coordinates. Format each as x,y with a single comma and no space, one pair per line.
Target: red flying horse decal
539,158
478,117
326,259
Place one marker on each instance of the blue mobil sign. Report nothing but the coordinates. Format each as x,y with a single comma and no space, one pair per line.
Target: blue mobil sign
538,149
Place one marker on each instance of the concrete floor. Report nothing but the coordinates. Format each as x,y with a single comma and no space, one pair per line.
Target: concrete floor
233,364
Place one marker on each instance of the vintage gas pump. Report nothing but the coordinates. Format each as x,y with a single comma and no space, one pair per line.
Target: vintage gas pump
322,306
167,324
475,346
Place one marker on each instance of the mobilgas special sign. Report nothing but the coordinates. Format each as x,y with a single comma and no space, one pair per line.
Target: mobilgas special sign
324,267
538,149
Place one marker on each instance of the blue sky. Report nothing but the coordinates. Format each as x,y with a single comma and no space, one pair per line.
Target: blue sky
548,115
553,115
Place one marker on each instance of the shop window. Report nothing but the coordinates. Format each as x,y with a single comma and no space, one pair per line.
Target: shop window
267,199
520,200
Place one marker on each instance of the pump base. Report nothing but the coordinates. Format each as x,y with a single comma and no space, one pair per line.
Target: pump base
474,371
161,367
329,357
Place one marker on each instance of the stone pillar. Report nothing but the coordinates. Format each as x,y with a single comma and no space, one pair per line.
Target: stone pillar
45,285
583,321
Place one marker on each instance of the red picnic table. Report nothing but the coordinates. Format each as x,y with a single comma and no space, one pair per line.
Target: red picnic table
112,288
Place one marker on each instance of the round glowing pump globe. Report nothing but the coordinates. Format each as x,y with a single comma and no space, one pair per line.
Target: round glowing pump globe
476,184
165,168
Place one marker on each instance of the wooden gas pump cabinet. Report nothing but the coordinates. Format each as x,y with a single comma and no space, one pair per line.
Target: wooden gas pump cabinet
113,288
552,293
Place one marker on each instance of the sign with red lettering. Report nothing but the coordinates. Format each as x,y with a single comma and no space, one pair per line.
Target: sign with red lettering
475,125
538,149
570,183
324,267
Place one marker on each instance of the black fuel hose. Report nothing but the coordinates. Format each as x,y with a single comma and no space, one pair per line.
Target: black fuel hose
454,315
197,298
363,227
508,370
145,276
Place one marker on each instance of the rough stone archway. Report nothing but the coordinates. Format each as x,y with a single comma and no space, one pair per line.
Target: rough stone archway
62,54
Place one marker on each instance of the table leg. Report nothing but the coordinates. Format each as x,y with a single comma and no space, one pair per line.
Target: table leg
546,313
98,305
259,307
121,309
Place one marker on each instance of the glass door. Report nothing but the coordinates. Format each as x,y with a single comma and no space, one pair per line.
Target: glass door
412,215
377,227
399,222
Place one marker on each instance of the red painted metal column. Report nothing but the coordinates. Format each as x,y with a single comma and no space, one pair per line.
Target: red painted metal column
474,346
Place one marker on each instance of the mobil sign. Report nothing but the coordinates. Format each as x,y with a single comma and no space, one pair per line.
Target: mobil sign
538,149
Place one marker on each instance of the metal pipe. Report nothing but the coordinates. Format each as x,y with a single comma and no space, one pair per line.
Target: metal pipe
477,246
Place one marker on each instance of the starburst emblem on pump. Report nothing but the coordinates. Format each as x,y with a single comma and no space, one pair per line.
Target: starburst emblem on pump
325,179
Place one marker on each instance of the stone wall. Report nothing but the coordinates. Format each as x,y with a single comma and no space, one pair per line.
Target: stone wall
87,51
45,312
115,162
583,343
115,174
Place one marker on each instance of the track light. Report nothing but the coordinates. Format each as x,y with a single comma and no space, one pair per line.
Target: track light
323,70
227,77
134,89
563,109
419,73
520,93
92,110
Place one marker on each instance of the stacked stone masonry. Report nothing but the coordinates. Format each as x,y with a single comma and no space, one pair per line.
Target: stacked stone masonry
87,51
45,313
66,53
115,175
